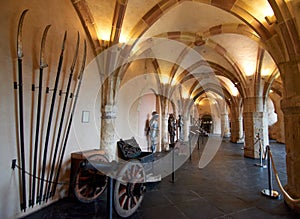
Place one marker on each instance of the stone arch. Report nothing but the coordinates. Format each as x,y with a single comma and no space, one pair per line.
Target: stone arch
232,7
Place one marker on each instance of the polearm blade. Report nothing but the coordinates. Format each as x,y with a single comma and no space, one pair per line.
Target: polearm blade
62,118
70,121
43,65
21,122
50,120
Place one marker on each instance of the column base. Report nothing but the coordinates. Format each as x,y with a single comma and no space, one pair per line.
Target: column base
294,206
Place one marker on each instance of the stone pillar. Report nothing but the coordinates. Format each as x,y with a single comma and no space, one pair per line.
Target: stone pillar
164,132
237,131
291,110
255,122
186,128
108,134
225,129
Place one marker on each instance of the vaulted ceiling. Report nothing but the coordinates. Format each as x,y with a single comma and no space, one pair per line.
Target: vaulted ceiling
229,34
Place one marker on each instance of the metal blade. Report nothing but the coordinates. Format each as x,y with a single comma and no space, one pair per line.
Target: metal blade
19,37
43,64
83,61
76,53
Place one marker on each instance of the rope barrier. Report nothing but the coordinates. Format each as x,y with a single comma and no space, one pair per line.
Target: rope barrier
39,178
52,182
279,183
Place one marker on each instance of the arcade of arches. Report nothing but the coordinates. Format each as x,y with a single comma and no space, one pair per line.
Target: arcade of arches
231,65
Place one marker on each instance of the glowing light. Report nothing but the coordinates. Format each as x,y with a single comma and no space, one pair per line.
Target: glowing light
265,72
268,11
197,102
234,91
174,82
103,35
123,39
230,86
164,79
200,102
249,70
185,94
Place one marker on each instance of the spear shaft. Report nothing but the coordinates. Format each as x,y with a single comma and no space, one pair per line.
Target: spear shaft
70,120
62,118
50,119
43,65
21,119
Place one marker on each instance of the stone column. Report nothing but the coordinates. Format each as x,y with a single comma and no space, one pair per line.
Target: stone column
291,109
186,128
225,129
164,132
255,122
108,134
237,131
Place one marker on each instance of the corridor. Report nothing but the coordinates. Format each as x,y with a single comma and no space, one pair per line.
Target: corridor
228,187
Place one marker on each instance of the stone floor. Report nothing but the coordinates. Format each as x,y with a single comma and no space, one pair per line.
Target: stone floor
228,187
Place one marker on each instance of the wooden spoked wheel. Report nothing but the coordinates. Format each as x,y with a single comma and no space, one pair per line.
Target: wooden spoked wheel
129,188
90,183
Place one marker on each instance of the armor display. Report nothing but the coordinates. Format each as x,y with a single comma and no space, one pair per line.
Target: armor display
153,124
172,128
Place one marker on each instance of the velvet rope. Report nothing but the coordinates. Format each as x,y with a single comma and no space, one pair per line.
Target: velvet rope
279,183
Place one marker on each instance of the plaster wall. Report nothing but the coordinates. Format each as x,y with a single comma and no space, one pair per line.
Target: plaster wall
135,103
62,16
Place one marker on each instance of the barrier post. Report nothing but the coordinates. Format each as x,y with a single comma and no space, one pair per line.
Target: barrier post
173,165
270,192
109,205
198,139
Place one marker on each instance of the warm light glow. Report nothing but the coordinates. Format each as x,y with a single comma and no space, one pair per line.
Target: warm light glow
174,82
233,90
212,101
268,11
249,70
123,39
164,79
105,35
207,102
102,35
185,94
265,72
230,86
262,9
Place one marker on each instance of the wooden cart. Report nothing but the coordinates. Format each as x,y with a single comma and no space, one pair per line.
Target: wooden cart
93,169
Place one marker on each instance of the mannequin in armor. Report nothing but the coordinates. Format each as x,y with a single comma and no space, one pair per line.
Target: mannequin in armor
180,127
153,124
172,128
